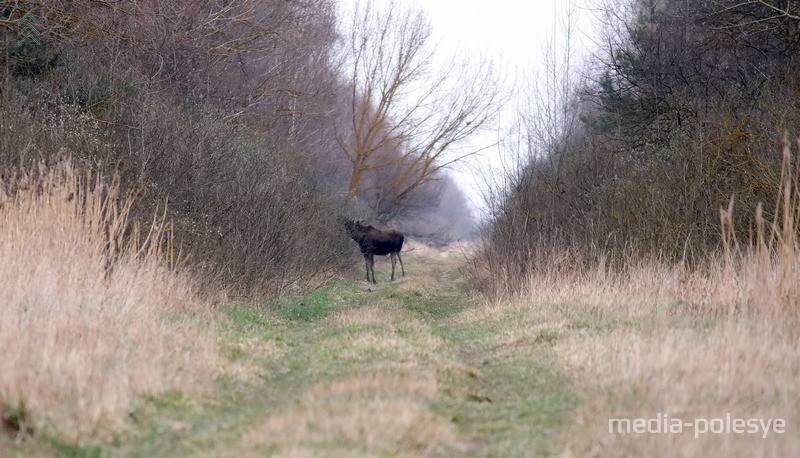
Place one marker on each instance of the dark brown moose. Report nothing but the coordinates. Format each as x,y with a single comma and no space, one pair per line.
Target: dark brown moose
375,241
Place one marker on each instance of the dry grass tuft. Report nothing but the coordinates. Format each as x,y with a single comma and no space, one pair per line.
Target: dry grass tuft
736,368
90,318
663,337
373,414
371,315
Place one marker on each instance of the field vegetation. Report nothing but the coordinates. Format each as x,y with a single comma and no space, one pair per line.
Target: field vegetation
175,280
655,203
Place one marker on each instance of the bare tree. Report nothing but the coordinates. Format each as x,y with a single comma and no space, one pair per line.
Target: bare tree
779,9
405,116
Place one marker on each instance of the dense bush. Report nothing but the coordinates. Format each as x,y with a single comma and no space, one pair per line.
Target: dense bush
224,113
184,122
684,108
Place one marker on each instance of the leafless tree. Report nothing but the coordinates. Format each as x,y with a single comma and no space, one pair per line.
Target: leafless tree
779,9
407,116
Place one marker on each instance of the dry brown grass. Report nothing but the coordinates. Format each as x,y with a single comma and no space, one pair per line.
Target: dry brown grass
691,342
81,340
736,368
362,414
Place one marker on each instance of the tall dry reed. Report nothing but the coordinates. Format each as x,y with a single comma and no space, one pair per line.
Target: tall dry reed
91,315
651,335
755,274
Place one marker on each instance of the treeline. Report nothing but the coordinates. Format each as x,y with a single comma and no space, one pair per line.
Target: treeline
684,107
225,115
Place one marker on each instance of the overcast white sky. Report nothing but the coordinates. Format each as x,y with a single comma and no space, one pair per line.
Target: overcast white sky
512,33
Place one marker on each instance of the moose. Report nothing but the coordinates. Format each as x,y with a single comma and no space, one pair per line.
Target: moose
374,241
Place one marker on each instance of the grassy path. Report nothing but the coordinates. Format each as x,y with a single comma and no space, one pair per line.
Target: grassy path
404,368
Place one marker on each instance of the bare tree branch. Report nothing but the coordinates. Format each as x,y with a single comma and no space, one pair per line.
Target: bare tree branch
404,115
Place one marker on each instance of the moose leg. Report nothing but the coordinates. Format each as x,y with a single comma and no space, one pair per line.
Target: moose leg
401,264
370,266
391,255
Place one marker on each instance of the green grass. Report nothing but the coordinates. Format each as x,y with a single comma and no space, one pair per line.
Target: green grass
499,400
76,451
518,398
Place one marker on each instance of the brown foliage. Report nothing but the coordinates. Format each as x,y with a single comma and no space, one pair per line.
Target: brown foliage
686,108
84,323
213,108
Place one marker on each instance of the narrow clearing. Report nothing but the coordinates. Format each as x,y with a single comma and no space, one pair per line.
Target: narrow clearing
404,368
